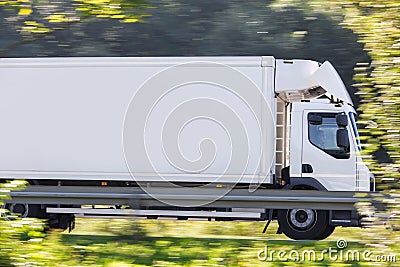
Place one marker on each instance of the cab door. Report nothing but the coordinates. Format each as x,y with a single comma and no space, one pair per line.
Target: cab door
326,153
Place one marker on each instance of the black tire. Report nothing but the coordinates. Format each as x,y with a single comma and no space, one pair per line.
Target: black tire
37,211
328,231
305,224
61,221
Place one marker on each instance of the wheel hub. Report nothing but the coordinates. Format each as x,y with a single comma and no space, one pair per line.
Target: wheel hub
22,209
302,218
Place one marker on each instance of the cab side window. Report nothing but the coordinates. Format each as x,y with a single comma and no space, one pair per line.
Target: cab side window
322,133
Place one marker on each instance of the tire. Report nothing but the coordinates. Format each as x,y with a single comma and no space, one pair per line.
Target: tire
328,231
36,211
61,221
305,224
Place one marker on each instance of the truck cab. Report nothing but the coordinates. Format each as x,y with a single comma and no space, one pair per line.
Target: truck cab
325,148
321,146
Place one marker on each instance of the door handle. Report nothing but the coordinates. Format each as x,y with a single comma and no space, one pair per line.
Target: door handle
306,168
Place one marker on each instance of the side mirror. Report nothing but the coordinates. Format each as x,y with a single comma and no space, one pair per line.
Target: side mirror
315,119
342,139
341,120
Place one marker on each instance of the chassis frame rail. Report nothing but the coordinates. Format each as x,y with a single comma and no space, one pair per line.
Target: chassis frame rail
137,198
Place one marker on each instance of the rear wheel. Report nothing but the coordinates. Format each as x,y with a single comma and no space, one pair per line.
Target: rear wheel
27,210
61,221
300,224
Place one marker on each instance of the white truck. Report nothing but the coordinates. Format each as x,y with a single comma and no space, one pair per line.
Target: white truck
250,122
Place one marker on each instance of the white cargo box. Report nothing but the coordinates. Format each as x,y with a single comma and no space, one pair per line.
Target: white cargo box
64,118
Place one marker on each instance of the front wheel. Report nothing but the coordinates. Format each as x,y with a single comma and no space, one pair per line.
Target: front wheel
300,224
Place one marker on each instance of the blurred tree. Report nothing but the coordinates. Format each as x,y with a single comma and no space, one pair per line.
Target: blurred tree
33,20
377,24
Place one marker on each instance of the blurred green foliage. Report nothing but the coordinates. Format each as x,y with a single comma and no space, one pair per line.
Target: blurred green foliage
377,24
183,243
37,19
14,231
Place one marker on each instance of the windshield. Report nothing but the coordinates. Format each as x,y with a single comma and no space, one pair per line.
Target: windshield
354,127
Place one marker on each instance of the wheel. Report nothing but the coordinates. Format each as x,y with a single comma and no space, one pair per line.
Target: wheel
27,210
328,231
19,208
301,224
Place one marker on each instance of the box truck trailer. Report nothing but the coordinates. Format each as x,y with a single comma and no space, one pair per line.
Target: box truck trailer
233,122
